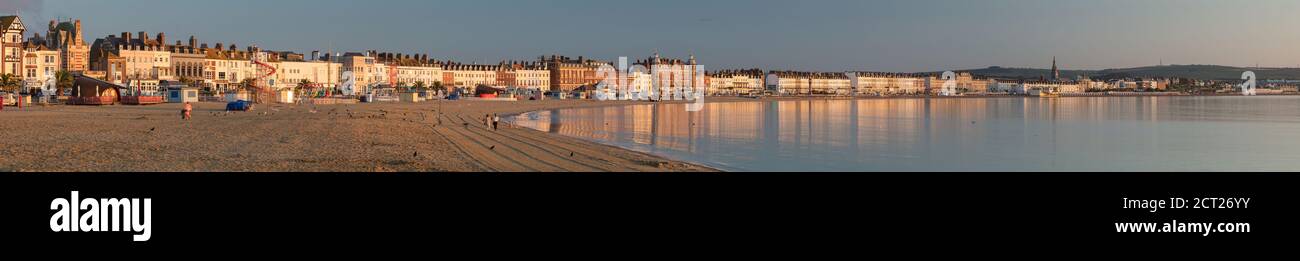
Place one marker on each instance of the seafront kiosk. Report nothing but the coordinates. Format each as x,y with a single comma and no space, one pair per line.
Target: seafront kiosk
182,94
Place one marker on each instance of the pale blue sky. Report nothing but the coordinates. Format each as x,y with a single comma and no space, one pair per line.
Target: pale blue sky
829,35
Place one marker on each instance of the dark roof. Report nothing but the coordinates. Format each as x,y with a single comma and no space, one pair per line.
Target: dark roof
80,79
5,21
66,26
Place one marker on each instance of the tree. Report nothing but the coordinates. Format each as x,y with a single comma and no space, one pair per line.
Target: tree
419,85
438,86
303,84
9,82
63,81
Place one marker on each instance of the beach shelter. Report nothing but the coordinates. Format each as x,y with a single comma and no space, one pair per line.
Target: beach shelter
485,91
90,91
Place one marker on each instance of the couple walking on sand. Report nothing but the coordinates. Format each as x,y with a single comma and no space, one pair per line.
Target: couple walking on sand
491,121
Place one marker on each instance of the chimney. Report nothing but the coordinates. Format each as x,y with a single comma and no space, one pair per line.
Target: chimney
193,41
53,24
315,55
126,37
162,39
144,37
220,47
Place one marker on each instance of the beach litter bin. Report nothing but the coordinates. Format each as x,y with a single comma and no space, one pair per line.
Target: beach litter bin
240,105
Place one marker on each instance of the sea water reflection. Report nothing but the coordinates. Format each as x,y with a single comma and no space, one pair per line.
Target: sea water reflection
965,134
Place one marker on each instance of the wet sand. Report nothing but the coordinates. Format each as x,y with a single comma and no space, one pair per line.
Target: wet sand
371,137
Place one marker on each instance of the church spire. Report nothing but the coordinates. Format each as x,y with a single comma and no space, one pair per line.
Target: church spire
1056,73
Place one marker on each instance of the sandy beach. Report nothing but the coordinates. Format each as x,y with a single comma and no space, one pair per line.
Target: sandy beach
370,137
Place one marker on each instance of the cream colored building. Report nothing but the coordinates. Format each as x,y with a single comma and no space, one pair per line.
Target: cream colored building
964,82
878,83
39,63
673,76
831,83
533,78
290,73
227,74
806,83
137,62
735,82
1058,87
410,75
470,75
362,66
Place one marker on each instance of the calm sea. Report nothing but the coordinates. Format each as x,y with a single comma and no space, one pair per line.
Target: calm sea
973,134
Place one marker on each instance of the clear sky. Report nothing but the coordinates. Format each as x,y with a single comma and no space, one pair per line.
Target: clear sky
827,35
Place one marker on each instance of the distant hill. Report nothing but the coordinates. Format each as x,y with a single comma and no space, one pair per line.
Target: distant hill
1200,72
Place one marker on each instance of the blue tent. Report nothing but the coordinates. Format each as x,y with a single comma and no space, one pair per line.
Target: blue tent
240,105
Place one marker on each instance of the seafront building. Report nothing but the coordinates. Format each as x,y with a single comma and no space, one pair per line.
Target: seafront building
40,64
405,70
67,39
526,75
568,74
882,83
736,82
807,83
673,75
11,45
467,76
139,62
295,70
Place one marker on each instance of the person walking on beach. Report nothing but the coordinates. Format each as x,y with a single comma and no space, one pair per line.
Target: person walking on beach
487,121
496,120
185,113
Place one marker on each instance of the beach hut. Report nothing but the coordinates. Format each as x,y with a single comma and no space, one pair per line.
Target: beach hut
90,91
409,97
182,94
284,96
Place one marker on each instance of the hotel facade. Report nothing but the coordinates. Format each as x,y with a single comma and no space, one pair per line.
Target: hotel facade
808,83
736,82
